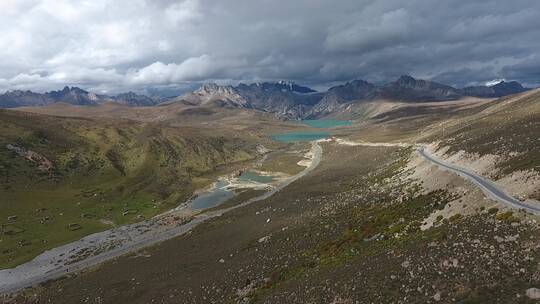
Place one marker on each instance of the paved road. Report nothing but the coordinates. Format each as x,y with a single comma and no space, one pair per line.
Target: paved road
492,190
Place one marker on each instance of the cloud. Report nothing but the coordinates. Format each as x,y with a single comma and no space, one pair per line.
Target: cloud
493,82
78,76
115,45
389,29
527,70
192,69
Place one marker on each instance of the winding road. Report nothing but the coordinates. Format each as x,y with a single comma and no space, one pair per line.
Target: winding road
490,189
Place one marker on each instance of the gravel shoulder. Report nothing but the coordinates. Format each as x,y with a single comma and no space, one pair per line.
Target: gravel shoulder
490,188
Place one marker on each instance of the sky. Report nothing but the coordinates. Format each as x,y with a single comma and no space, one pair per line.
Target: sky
112,46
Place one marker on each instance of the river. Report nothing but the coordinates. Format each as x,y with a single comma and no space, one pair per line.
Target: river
103,246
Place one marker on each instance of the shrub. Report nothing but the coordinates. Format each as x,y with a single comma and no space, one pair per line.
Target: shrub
493,210
455,217
506,217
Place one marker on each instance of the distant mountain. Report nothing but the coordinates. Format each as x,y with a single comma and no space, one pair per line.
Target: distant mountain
285,99
17,98
338,96
133,99
71,95
74,96
498,90
291,101
284,86
211,93
407,88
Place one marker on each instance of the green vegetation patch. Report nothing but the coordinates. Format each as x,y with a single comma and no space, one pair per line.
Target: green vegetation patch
373,225
509,130
283,161
103,173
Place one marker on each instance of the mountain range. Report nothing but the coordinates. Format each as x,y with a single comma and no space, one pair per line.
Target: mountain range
292,101
284,99
71,95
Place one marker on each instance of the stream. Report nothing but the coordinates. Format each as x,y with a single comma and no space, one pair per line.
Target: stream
107,245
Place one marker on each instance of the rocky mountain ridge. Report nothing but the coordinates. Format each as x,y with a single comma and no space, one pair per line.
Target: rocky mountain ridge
285,99
500,89
71,95
291,101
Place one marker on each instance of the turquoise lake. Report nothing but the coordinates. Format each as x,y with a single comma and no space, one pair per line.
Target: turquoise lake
300,136
326,123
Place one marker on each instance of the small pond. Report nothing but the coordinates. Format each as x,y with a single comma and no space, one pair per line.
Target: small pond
212,198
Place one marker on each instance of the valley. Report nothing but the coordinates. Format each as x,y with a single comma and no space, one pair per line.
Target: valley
103,246
103,174
296,245
216,203
269,152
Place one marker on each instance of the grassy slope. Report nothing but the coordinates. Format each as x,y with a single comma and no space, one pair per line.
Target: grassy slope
101,169
509,125
347,232
285,161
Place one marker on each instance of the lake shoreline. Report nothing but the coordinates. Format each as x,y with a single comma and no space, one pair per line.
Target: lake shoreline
104,246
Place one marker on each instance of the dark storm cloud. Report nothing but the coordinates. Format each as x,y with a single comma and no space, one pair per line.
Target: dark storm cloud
108,45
